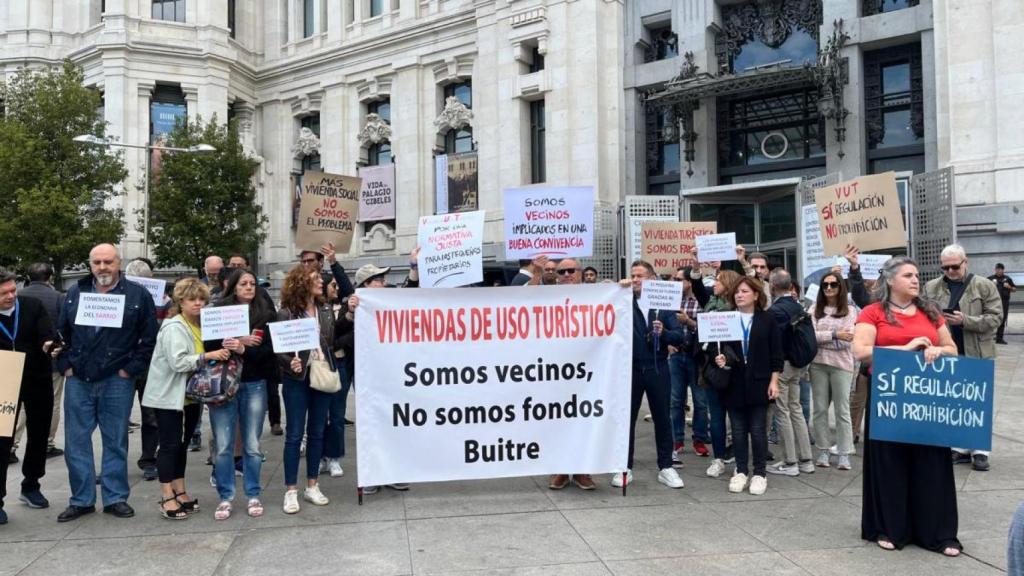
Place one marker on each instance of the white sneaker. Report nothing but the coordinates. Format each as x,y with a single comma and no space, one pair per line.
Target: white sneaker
617,479
291,502
716,468
313,495
758,484
806,467
844,462
335,467
323,466
367,490
669,477
823,458
834,450
677,456
783,469
737,483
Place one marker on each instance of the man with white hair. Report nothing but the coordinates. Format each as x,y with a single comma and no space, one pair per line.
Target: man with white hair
973,312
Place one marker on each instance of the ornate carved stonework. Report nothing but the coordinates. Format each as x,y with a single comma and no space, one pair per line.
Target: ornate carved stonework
689,69
454,116
770,21
379,238
375,131
307,144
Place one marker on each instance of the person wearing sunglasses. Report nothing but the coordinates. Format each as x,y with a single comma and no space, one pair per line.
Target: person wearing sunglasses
832,369
973,311
569,272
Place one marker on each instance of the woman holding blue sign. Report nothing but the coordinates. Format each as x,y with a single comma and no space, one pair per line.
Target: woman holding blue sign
909,491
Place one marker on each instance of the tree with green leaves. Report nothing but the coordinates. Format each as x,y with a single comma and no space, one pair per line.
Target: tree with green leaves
203,203
55,194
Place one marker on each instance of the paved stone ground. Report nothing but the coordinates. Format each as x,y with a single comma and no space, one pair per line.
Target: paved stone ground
804,525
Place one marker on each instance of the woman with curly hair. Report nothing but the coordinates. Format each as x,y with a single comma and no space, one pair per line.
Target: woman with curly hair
305,408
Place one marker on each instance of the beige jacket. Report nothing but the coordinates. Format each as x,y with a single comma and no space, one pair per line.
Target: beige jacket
982,310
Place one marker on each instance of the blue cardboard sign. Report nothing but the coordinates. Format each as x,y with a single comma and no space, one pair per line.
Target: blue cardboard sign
946,403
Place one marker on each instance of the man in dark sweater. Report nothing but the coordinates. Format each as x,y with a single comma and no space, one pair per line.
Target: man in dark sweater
25,327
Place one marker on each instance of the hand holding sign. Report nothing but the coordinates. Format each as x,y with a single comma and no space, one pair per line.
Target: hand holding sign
294,335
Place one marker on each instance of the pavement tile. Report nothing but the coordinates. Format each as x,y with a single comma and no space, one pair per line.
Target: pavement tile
710,565
807,524
183,554
15,556
911,561
478,497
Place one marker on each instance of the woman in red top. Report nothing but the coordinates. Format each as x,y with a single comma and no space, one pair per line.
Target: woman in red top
909,492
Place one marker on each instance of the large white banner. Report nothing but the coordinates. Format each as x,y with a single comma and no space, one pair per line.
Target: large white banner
465,383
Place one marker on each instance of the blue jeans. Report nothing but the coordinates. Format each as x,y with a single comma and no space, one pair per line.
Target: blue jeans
105,403
683,369
245,410
717,417
305,410
334,436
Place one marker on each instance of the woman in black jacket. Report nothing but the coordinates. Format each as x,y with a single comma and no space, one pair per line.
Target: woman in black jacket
755,364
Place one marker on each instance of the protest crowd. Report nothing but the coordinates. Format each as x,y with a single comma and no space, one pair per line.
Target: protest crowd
786,398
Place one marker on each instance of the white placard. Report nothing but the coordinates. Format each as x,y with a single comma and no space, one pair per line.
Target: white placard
870,265
719,326
555,221
294,335
486,383
812,250
712,247
812,292
451,249
219,322
660,295
154,286
101,310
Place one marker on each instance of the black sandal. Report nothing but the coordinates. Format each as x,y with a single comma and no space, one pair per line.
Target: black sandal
178,513
189,506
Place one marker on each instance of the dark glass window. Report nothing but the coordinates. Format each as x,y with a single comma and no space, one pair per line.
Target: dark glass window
166,109
231,17
538,152
768,130
380,153
536,60
456,141
461,90
664,43
894,108
171,10
778,219
733,217
663,151
307,18
381,108
376,8
799,48
871,7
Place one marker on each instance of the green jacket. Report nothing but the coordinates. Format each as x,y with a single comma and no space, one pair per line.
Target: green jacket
717,304
174,360
982,310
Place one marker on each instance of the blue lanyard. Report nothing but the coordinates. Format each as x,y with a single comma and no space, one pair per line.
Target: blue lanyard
17,319
746,338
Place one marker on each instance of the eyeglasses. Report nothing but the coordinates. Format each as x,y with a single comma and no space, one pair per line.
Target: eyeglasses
827,285
565,271
953,267
309,260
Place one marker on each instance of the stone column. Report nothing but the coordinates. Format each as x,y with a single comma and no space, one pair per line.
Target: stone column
191,93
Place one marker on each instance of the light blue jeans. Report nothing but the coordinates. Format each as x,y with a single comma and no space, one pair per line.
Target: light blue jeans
246,411
105,403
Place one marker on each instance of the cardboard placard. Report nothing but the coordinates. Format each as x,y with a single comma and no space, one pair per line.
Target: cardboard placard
635,236
217,322
864,212
712,247
719,326
12,364
555,221
661,295
328,211
101,310
451,249
294,335
154,286
669,245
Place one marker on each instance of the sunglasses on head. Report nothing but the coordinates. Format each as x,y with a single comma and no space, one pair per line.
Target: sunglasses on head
953,267
565,271
828,285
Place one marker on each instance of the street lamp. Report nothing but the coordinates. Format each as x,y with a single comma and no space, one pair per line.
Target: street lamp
94,140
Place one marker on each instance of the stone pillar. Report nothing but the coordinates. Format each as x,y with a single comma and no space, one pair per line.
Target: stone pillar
928,89
412,143
191,93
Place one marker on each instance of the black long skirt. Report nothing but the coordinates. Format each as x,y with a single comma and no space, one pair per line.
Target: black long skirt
909,493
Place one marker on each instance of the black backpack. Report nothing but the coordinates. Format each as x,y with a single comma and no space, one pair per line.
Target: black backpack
801,342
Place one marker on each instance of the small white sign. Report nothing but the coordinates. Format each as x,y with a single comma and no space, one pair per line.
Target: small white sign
219,322
719,326
870,265
812,293
294,335
451,252
661,295
101,310
154,286
712,247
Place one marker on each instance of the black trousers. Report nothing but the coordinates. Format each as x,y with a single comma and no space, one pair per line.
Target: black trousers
176,429
273,388
750,433
656,384
1002,325
149,432
37,400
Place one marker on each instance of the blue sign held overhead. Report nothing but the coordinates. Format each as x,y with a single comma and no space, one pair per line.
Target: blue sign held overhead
946,403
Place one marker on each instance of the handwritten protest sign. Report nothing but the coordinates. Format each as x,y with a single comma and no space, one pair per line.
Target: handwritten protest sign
555,221
451,249
719,326
377,193
12,364
946,403
102,310
635,236
669,245
492,382
864,212
328,211
660,295
219,322
711,247
294,335
154,286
